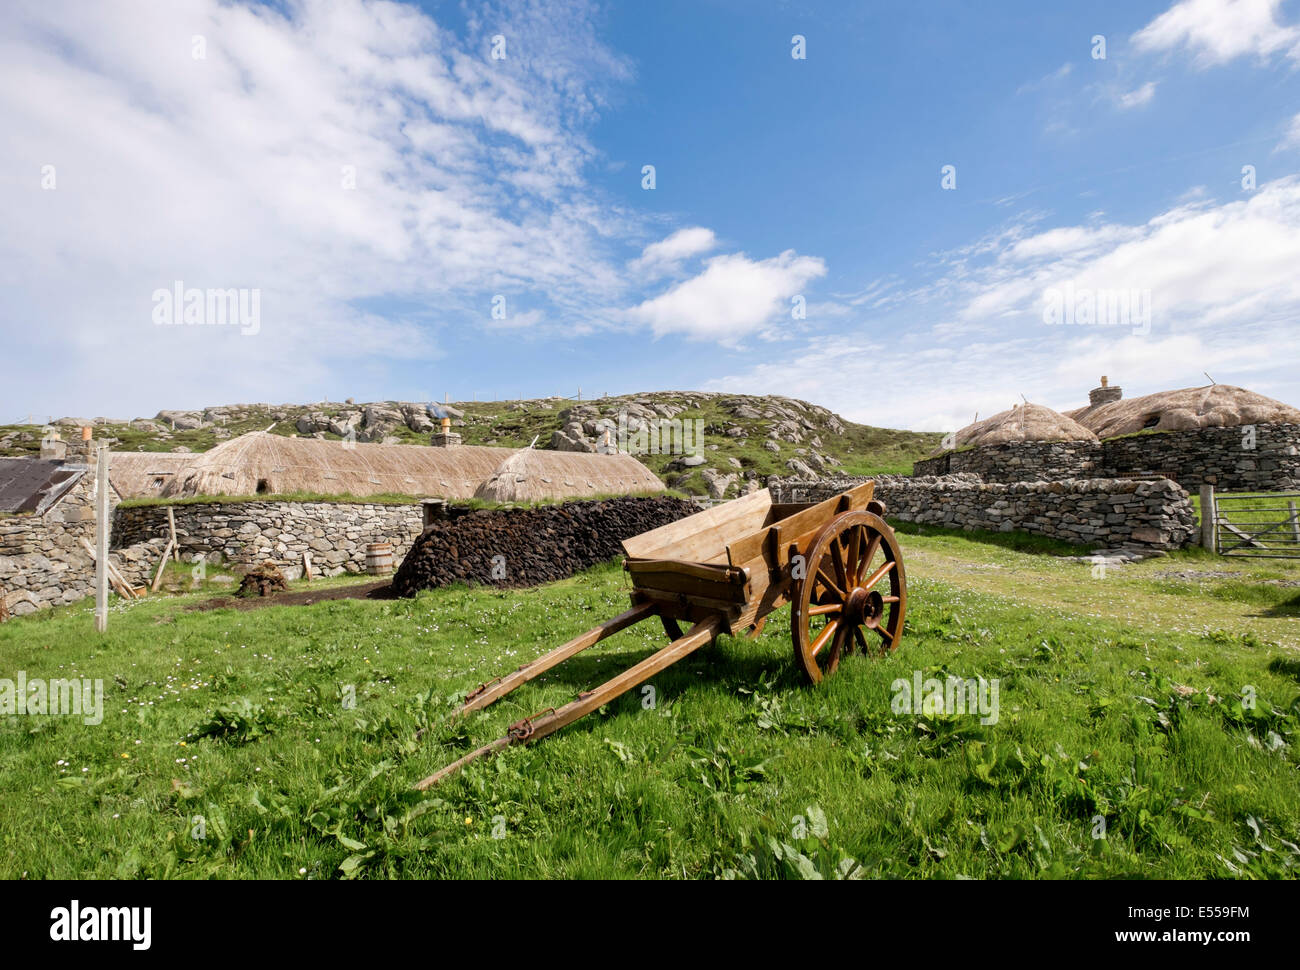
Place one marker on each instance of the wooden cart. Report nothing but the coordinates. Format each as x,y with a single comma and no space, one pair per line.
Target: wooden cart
724,570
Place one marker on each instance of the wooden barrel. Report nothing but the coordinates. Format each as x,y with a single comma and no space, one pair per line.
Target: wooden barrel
379,558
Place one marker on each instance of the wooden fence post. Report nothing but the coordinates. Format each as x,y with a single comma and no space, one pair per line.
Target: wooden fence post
102,526
1209,516
171,529
1295,521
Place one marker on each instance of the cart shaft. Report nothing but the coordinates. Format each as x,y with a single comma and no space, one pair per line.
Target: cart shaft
535,728
485,695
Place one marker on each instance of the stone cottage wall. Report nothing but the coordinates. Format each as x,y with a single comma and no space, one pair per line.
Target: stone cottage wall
42,563
1099,512
250,533
42,560
1214,456
1030,461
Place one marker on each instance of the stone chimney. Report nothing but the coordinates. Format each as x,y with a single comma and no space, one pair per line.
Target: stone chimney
445,438
1104,394
54,447
81,450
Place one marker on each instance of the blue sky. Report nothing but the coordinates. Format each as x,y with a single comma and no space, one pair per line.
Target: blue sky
214,144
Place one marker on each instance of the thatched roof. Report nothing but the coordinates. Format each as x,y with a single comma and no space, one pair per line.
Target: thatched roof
1215,406
143,474
259,462
529,474
1025,422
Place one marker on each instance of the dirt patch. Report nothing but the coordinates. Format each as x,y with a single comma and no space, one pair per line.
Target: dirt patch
381,590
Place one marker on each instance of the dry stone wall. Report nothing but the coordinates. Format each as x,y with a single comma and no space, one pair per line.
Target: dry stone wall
247,534
1096,512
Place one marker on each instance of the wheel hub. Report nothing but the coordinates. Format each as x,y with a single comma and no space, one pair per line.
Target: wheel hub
864,607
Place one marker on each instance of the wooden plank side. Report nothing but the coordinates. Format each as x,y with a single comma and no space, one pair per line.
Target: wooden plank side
726,607
702,537
693,588
710,572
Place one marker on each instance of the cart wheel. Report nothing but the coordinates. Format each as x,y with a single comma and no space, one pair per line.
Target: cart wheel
841,602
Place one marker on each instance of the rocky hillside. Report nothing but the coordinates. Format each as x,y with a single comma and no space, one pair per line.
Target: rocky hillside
711,443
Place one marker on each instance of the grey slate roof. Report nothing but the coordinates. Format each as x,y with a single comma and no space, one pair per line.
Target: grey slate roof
35,484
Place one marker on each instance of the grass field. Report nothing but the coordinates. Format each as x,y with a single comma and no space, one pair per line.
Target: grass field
1120,714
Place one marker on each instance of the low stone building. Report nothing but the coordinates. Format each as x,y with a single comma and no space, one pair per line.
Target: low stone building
47,520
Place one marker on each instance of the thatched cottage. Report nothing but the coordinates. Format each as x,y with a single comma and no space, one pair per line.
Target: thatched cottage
1220,435
260,463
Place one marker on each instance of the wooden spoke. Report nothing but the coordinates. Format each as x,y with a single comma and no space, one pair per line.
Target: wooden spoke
872,546
830,584
825,608
862,640
877,576
837,557
827,632
855,546
837,647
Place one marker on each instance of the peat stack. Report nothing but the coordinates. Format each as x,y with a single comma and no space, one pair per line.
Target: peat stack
527,547
262,580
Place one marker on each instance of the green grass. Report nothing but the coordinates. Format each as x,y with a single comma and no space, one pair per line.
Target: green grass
739,769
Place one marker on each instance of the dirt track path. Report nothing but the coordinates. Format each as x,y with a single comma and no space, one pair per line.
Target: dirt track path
302,597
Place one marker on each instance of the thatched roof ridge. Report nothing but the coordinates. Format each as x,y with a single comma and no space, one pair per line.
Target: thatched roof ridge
262,462
1024,422
529,474
1215,406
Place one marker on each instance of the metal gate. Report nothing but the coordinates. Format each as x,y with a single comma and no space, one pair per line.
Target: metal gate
1263,525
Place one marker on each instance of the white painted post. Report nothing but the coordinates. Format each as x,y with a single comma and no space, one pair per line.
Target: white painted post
1295,521
102,526
1209,515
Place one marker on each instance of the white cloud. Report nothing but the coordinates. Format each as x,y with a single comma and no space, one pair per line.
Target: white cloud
667,255
1225,298
1218,31
734,297
231,171
1060,74
1138,97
